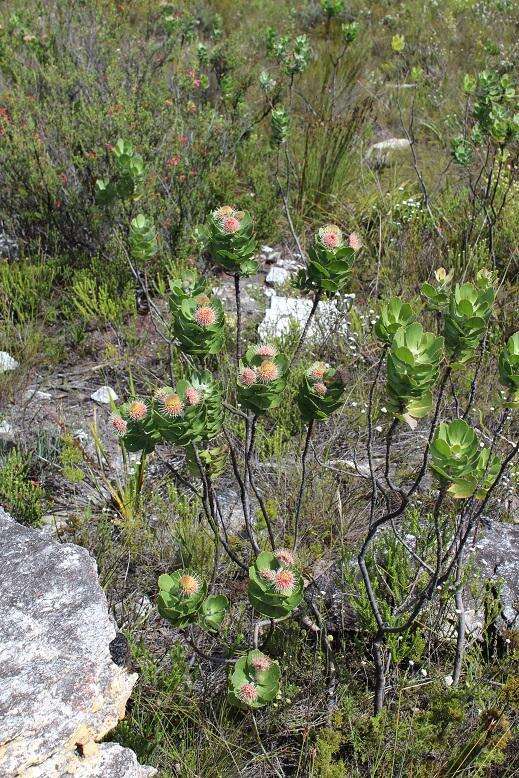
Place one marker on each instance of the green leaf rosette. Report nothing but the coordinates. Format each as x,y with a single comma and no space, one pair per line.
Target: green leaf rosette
466,320
509,369
254,681
190,412
437,297
459,463
320,393
198,318
213,611
393,315
261,378
275,588
180,598
412,369
228,237
133,422
329,264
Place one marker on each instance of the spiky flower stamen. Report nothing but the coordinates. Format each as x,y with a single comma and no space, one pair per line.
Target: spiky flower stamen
284,582
193,396
266,350
221,213
261,663
188,585
318,370
172,405
248,692
285,556
248,376
331,236
137,410
205,316
230,224
268,575
119,424
320,389
268,371
354,241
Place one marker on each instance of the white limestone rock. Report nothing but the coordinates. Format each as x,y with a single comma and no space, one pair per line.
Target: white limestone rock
285,311
60,690
7,362
277,276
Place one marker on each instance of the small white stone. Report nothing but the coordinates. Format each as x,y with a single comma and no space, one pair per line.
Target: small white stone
354,404
6,431
277,276
423,671
104,395
383,409
7,362
32,395
378,429
449,680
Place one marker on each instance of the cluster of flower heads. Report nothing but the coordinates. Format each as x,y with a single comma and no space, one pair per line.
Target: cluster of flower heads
317,372
249,691
229,220
332,238
266,372
282,580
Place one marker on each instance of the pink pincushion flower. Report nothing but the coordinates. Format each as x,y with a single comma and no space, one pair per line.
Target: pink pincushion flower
230,224
137,410
172,404
192,395
318,370
248,693
284,556
266,350
119,424
248,376
320,389
354,241
268,371
330,236
188,584
284,582
268,575
261,663
205,316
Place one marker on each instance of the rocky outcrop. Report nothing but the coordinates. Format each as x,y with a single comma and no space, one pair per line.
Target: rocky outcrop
60,690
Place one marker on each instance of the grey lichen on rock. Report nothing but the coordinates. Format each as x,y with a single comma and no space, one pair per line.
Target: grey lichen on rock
60,690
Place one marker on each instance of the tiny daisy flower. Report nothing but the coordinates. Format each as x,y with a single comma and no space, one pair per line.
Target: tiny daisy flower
330,236
248,693
188,584
318,370
261,663
137,410
205,316
284,582
268,371
284,556
172,405
320,389
266,350
268,575
119,424
193,396
248,376
354,241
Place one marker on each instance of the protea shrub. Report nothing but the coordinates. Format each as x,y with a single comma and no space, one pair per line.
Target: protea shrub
466,320
181,595
330,259
190,412
459,463
228,237
262,375
198,319
509,369
412,370
133,422
275,586
254,681
320,393
393,315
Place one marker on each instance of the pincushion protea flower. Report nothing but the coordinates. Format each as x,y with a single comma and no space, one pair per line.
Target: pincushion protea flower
248,692
266,351
284,582
137,410
119,424
320,389
268,575
318,369
171,404
285,556
188,584
192,395
261,663
267,372
248,376
205,316
223,212
330,236
354,241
